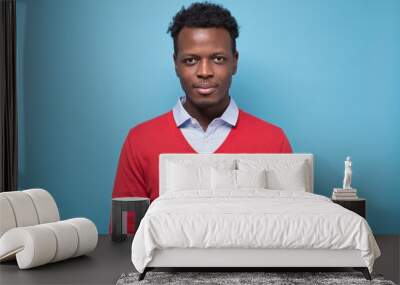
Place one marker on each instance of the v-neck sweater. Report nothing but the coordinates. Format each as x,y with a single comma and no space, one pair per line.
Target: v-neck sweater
137,173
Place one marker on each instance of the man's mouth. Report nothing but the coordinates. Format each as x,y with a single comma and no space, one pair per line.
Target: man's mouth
205,89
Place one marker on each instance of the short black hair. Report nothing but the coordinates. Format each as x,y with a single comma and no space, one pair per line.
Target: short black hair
204,15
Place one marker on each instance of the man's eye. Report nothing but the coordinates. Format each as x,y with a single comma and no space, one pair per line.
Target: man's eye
189,61
219,59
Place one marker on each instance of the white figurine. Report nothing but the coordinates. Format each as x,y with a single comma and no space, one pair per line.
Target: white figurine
347,174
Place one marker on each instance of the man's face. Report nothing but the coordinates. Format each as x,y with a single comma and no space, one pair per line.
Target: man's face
205,64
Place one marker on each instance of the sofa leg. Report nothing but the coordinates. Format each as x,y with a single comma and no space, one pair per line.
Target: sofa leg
142,275
364,271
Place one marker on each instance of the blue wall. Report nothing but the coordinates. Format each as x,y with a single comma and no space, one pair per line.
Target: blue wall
327,72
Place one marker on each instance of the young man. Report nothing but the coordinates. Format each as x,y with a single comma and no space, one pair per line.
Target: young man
207,119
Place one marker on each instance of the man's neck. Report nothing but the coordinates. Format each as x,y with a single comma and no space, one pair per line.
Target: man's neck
206,115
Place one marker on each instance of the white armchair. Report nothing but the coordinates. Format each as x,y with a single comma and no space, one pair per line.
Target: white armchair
32,233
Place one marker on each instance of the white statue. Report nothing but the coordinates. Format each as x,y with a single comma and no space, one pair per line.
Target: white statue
347,174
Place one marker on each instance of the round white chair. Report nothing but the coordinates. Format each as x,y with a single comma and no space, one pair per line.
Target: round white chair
31,231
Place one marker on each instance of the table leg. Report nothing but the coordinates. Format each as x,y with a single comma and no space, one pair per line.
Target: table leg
117,222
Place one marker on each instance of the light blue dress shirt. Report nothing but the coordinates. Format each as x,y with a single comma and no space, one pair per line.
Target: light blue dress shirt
205,141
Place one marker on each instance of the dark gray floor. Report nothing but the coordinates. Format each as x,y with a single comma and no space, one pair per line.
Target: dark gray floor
110,260
103,266
389,262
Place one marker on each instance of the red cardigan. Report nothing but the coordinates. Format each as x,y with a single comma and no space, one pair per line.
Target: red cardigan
137,172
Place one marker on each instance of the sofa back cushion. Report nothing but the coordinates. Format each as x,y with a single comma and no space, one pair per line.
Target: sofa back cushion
26,208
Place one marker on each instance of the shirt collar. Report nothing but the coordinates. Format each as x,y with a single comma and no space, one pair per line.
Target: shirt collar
229,116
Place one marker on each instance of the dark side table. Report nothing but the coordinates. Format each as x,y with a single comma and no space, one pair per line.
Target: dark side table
358,206
120,207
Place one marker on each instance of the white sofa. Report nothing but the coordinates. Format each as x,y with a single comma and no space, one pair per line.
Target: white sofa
31,231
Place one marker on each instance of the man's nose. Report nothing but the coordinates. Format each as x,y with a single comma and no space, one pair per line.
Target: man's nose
205,69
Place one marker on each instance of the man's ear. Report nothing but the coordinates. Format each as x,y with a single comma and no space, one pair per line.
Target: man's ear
235,62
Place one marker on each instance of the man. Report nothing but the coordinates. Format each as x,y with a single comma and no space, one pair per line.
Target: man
207,119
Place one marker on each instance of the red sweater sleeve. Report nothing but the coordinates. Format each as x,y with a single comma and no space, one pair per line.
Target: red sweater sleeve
129,179
285,145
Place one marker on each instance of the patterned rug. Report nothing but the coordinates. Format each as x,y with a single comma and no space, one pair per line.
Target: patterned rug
244,278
